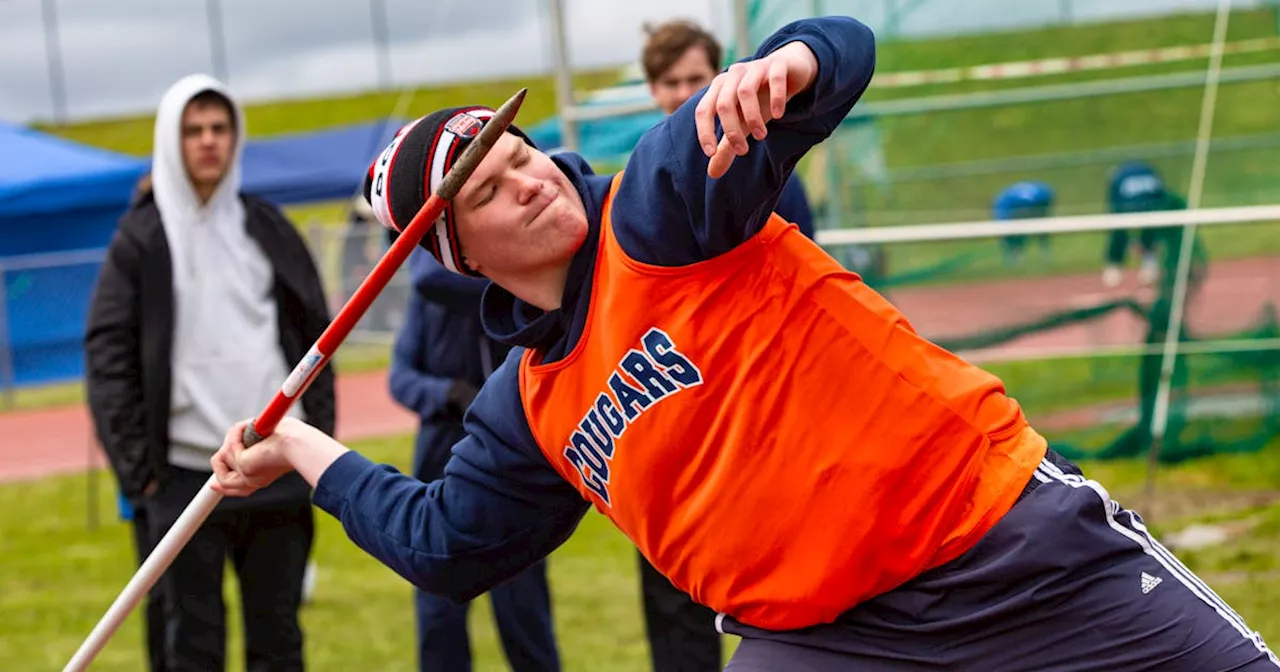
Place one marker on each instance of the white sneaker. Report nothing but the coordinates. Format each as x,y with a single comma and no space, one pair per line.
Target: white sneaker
1112,276
309,582
1149,271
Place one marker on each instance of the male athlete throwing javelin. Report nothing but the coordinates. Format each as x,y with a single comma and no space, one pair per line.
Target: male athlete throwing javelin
768,431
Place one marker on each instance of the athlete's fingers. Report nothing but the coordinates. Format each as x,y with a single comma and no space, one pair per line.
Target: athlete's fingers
721,160
228,481
727,108
748,91
233,488
220,467
777,88
704,116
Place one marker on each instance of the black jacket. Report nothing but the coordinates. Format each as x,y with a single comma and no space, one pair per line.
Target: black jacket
129,339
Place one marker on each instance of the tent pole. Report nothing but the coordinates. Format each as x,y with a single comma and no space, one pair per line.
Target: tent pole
564,75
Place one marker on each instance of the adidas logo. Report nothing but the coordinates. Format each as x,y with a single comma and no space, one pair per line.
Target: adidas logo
1149,582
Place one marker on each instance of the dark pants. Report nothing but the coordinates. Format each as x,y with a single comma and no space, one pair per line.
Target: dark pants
521,605
268,543
1118,244
522,610
1067,580
682,633
153,609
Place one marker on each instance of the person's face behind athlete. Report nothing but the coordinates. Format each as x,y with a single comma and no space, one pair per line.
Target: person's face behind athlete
208,137
688,74
519,218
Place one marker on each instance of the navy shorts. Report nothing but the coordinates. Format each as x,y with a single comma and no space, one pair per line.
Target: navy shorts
1067,580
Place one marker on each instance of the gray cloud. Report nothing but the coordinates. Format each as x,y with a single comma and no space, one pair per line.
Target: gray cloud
119,56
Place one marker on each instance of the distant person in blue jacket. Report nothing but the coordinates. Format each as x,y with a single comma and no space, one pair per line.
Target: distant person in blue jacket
1023,200
1135,186
440,359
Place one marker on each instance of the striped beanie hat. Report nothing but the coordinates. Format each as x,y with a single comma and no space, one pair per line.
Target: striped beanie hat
411,168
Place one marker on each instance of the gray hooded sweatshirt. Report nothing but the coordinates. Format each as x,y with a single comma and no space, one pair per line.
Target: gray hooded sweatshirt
227,362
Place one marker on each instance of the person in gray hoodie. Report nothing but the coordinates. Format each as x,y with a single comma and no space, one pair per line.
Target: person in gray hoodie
206,299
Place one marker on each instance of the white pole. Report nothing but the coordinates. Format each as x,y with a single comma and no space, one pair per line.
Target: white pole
147,575
563,75
741,30
1195,192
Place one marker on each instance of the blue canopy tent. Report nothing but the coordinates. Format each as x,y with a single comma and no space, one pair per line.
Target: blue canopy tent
326,165
605,142
59,195
60,202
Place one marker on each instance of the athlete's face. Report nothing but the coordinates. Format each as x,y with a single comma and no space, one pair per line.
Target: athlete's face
518,214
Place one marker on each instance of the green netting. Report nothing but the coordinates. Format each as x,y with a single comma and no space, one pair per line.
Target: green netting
926,154
1245,381
940,153
1222,400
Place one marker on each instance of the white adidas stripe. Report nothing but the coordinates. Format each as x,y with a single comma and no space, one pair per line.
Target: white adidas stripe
1153,547
1141,536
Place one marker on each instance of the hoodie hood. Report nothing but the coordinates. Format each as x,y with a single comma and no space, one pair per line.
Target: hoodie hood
439,285
175,196
168,172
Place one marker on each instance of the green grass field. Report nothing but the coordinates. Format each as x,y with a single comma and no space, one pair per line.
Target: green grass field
980,259
1069,129
60,575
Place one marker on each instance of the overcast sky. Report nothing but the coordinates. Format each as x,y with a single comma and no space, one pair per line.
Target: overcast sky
119,56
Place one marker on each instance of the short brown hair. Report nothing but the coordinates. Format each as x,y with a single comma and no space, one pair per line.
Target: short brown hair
669,41
211,98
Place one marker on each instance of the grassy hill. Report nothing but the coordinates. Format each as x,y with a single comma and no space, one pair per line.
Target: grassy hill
936,138
132,135
1072,130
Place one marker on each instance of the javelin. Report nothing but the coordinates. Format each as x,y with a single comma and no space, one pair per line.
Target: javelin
298,381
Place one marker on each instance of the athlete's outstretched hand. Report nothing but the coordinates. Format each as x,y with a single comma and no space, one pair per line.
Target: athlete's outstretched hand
293,445
746,97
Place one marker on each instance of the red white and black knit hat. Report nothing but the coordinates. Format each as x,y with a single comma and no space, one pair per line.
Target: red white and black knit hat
411,168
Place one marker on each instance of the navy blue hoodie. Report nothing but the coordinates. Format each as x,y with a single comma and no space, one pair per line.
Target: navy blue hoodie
441,342
500,506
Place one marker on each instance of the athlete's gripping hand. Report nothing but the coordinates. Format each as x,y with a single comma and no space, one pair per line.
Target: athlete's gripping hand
746,97
242,471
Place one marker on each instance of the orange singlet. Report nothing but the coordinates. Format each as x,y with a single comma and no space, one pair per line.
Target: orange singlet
771,433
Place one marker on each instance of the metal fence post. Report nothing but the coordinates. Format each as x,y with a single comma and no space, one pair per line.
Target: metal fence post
7,376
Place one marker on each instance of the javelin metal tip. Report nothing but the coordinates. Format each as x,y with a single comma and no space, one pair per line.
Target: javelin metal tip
507,112
480,146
